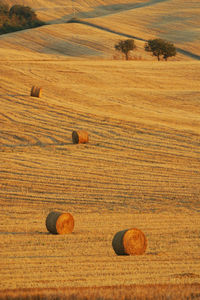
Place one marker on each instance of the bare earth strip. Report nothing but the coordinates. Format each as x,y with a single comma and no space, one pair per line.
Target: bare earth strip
173,292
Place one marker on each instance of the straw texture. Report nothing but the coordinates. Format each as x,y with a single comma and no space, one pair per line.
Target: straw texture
80,137
129,242
59,223
36,91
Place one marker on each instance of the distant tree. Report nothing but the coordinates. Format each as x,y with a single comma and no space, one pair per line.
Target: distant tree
24,14
4,9
160,47
22,11
125,47
18,17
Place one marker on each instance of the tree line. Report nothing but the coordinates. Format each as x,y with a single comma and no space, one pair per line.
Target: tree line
158,47
17,17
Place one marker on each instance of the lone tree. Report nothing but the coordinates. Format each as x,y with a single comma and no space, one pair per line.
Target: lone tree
160,47
125,47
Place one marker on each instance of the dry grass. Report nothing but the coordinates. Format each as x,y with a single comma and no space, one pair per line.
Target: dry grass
140,168
130,292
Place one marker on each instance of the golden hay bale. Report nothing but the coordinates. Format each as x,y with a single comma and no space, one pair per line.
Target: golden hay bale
36,91
80,136
129,242
59,223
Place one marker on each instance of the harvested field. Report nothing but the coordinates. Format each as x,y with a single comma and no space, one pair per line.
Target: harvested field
140,169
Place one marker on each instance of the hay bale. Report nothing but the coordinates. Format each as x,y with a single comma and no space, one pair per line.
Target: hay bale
80,137
59,223
129,242
36,91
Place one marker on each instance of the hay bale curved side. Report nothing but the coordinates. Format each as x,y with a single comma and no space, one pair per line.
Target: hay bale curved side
59,223
129,242
36,91
80,137
117,243
33,91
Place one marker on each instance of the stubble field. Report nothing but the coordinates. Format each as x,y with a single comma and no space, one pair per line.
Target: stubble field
139,169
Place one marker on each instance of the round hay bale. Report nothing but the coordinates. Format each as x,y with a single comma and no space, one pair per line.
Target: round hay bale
36,91
129,242
59,223
80,137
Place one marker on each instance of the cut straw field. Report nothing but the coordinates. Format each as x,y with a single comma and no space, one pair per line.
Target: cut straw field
140,168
